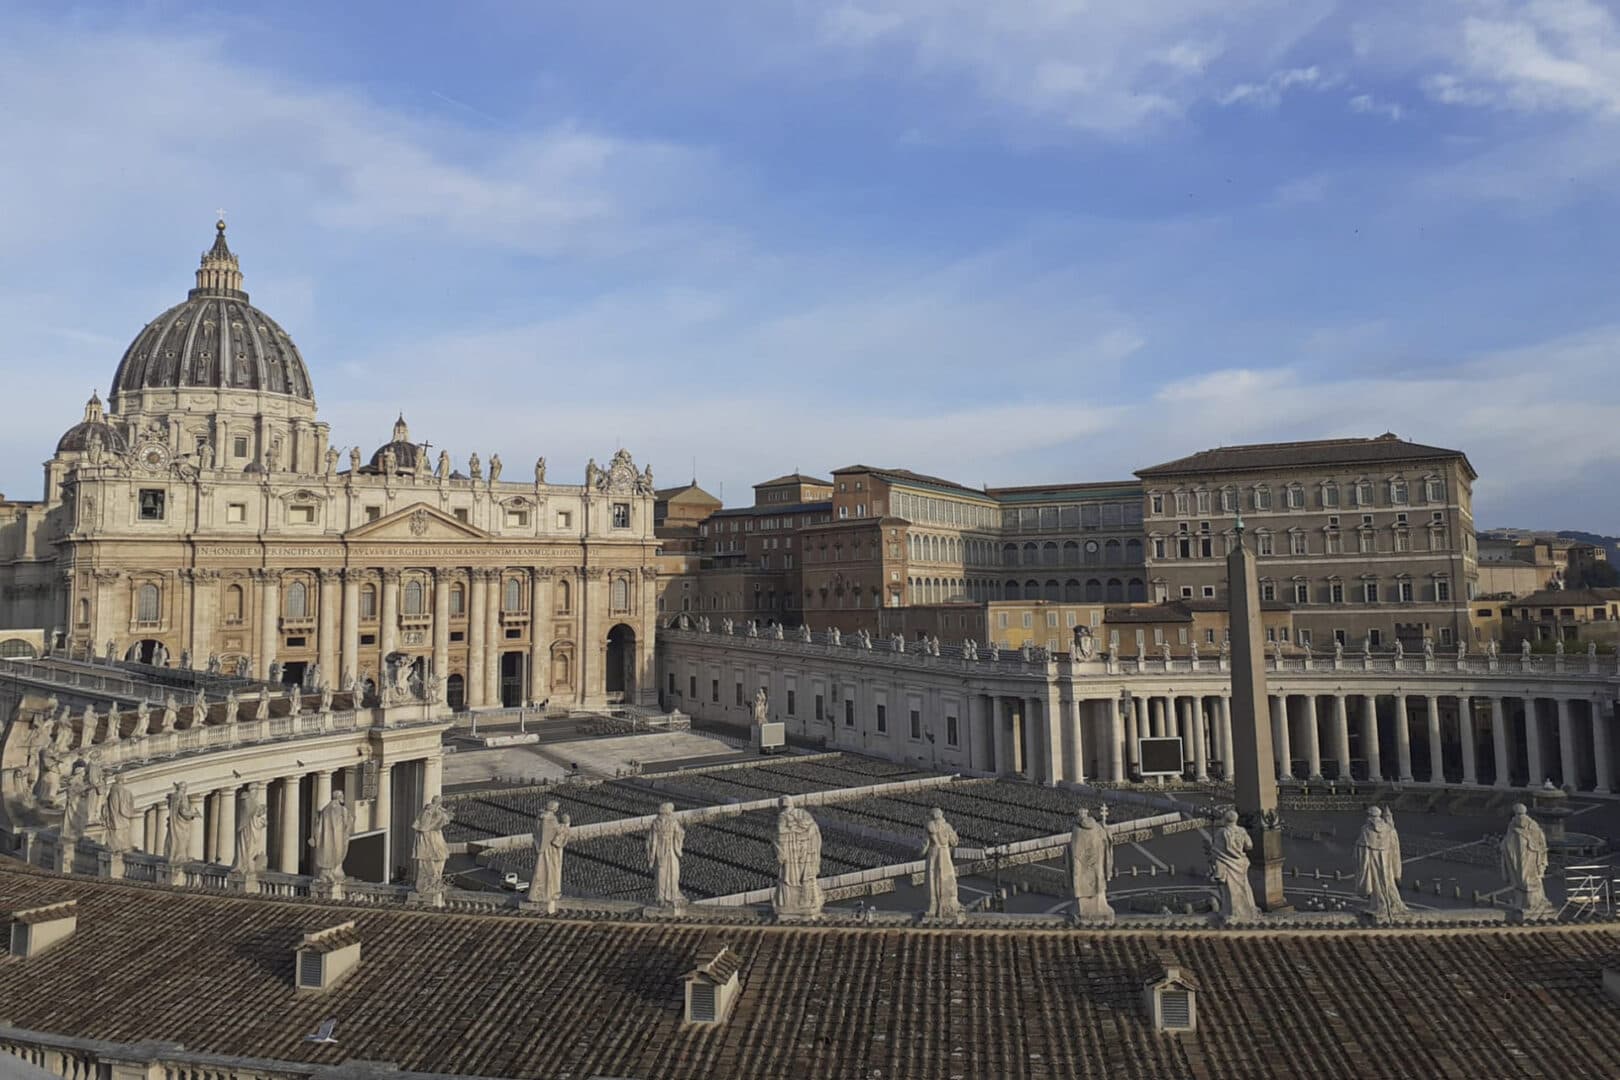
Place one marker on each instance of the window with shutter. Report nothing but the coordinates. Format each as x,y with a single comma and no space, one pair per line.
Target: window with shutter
702,1002
1175,1009
309,969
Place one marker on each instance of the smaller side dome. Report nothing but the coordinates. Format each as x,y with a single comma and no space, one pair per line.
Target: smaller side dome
407,455
77,439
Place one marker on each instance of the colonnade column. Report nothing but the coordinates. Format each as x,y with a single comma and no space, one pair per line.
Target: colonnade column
1072,737
209,825
1313,739
1279,736
323,789
1133,731
1566,745
475,639
203,592
1537,771
1195,712
269,600
1499,743
350,654
492,637
1604,767
1116,741
441,624
1465,735
432,778
287,857
1437,771
1369,737
225,812
388,631
382,806
160,828
197,831
1156,716
1403,738
1341,735
326,643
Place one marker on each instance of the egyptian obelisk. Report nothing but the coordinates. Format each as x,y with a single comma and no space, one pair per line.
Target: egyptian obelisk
1254,774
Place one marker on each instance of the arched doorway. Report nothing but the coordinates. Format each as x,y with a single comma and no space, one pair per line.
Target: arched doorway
147,651
620,675
455,692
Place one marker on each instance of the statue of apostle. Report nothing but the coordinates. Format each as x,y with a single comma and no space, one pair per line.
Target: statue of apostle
1378,852
1523,854
252,820
761,707
118,816
333,826
1091,864
550,837
428,849
798,861
666,841
1229,865
941,840
177,844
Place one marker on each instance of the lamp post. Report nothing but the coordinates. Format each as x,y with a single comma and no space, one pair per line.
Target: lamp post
998,903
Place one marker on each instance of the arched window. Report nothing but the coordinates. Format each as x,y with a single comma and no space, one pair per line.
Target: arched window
1010,591
84,612
565,597
621,594
1009,554
1049,553
1094,590
146,606
414,600
1138,591
233,603
1116,590
1071,553
1133,551
16,648
368,601
1032,590
296,604
1071,591
512,595
1111,552
458,600
1052,592
1032,554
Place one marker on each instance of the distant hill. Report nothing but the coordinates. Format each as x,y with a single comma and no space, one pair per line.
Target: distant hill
1611,543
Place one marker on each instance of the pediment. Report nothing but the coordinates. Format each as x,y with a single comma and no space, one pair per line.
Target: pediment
417,522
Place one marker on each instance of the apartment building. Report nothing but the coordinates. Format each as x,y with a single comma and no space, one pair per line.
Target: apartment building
1365,538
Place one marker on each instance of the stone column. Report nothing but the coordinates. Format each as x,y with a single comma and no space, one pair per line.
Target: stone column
382,805
1116,740
432,778
326,641
1537,769
475,639
592,633
1072,737
1279,736
1341,735
1369,737
269,636
441,624
1566,745
537,633
1437,771
323,789
1228,752
287,857
225,811
1133,731
388,632
1195,713
148,829
209,825
1403,738
350,662
1601,752
1499,743
1313,739
1465,735
160,828
204,598
998,720
197,830
1156,716
492,638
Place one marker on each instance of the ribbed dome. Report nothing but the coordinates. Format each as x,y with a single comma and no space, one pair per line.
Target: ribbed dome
406,452
77,438
214,340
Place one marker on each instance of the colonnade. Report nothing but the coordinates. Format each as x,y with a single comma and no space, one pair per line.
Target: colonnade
213,832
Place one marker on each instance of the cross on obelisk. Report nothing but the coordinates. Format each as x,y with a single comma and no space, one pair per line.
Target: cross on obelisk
1254,773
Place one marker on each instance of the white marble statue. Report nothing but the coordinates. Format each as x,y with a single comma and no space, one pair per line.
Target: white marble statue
115,723
252,819
1378,854
666,841
232,706
835,636
475,468
550,837
199,709
428,848
1523,857
171,714
55,760
177,844
326,698
261,711
295,700
1400,650
494,469
143,719
80,798
941,840
1229,865
798,862
1558,646
118,816
761,707
1428,648
442,471
804,633
540,470
333,827
1091,864
1524,649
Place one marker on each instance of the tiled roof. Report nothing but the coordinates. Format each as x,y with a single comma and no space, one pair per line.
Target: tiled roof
907,477
527,997
771,511
1385,449
665,494
1554,598
1104,489
794,478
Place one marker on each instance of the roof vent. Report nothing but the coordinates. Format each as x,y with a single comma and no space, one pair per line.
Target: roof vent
1611,979
712,986
324,957
34,930
1171,998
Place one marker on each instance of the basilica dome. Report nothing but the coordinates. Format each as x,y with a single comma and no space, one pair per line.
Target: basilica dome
78,438
214,340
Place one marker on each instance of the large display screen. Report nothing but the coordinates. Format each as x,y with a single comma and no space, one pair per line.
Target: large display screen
1160,757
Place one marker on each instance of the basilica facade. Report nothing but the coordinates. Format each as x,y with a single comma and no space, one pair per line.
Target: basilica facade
203,516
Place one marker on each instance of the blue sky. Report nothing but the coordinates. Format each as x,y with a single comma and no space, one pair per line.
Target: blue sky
1027,241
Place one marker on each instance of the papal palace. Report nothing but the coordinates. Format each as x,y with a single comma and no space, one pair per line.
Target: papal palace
336,762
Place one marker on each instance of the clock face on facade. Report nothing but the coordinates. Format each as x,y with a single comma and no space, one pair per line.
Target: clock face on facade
153,456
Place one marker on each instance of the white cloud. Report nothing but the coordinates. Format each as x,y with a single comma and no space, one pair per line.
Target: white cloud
1371,106
1531,56
1269,94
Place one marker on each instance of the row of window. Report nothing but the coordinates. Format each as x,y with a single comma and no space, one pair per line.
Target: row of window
1363,541
1366,591
930,510
1328,495
953,728
1073,553
1089,515
153,506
